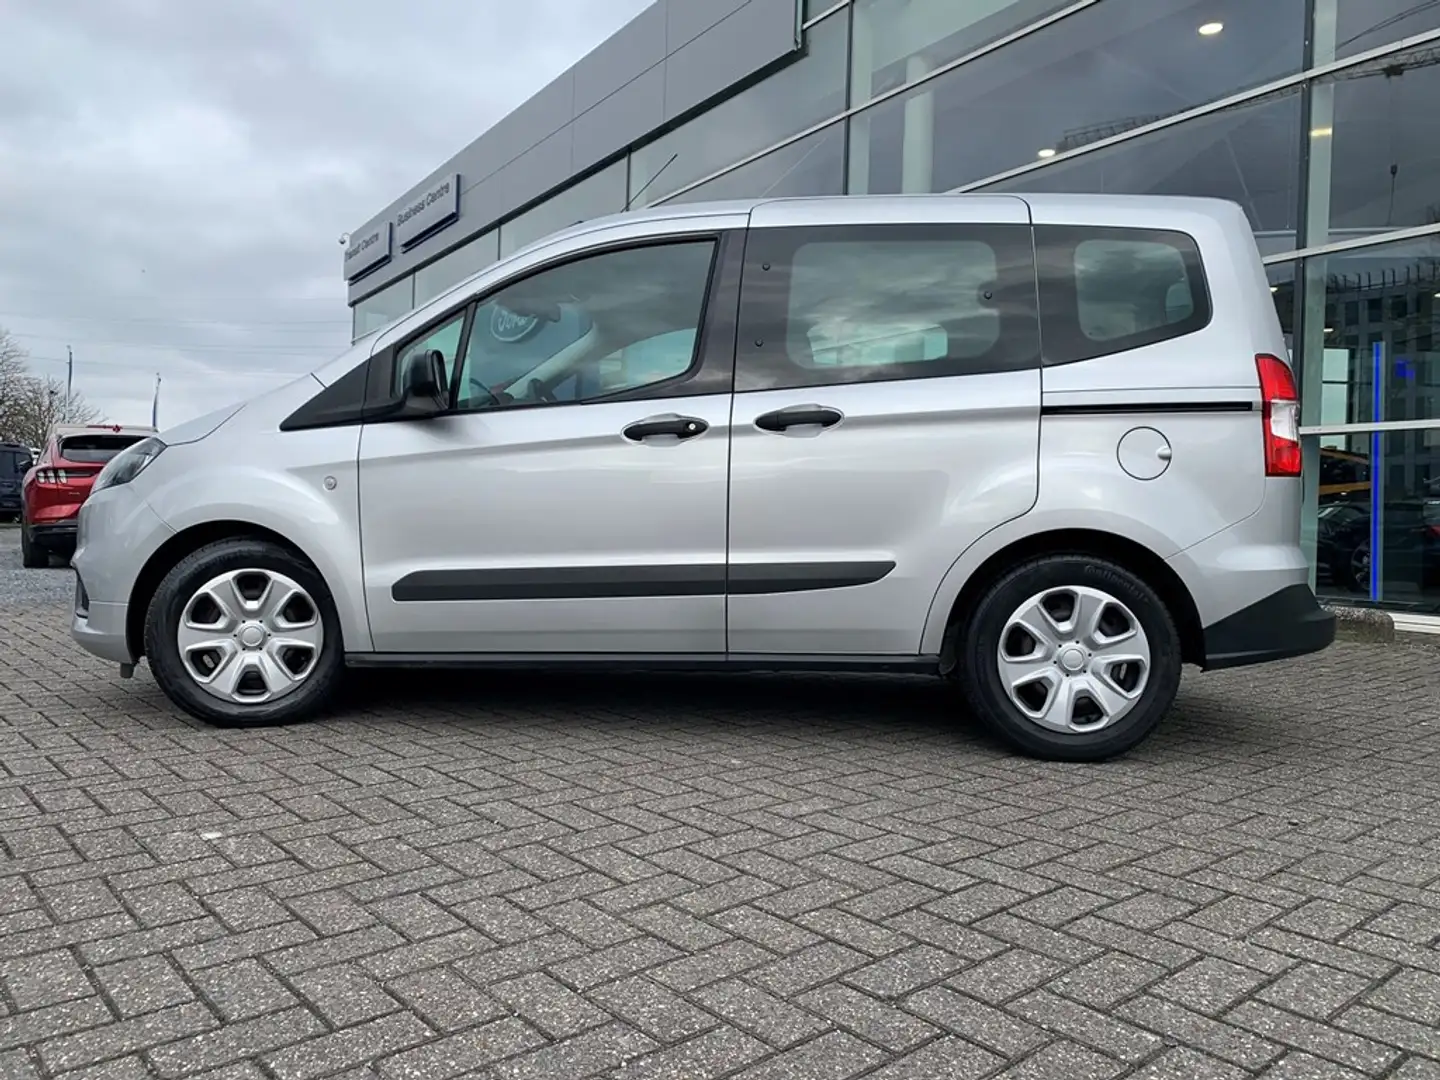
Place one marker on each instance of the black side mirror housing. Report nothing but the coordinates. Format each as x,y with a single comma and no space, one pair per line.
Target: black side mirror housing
426,388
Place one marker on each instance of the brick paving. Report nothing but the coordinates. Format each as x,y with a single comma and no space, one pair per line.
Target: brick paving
507,877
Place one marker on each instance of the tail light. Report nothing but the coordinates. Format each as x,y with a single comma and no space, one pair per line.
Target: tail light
1280,407
57,477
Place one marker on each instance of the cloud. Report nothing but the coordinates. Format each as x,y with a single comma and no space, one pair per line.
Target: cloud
176,174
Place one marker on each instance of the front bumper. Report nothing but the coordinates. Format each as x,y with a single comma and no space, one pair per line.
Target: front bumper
1283,625
100,631
118,533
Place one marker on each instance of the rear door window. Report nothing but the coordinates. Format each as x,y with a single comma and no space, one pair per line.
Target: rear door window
832,305
95,449
1105,291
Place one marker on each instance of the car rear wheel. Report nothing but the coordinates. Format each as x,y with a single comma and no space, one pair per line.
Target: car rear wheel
32,555
1070,658
244,632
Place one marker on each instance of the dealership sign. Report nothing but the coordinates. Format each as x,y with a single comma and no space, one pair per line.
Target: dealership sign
368,250
428,211
509,327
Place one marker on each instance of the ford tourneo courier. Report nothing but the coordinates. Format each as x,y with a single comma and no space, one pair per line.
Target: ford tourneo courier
1045,446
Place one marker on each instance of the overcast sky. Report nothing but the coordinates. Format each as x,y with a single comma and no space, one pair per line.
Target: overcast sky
175,174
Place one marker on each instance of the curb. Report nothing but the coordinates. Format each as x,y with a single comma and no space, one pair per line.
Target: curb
1362,624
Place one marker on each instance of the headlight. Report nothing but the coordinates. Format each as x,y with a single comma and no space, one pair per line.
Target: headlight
128,464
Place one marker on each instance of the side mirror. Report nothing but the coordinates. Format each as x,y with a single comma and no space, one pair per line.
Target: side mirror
425,383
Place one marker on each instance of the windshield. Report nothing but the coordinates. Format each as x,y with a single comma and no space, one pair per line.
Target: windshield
95,449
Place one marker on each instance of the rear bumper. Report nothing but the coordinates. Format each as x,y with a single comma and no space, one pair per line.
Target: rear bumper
55,535
1283,625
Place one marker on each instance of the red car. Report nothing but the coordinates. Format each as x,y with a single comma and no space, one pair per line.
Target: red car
60,481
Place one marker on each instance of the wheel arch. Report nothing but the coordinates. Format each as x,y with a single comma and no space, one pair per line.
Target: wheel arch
177,547
1123,551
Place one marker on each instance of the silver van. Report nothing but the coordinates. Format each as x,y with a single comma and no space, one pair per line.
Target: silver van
1045,446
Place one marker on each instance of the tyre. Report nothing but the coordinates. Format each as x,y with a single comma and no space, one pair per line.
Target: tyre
32,555
1070,658
244,632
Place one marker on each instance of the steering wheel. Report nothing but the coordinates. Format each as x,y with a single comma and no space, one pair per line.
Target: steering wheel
476,384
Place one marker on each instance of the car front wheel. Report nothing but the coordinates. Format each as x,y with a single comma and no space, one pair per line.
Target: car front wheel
1070,658
244,632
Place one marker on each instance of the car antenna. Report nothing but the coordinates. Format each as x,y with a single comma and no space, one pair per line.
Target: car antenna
631,201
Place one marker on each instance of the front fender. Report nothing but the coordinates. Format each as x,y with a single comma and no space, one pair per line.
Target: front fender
304,488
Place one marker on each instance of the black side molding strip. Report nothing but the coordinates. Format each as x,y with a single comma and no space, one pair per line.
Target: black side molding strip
592,583
760,578
560,583
1129,408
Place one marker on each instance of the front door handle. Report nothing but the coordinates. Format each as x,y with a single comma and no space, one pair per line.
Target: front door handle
799,416
682,427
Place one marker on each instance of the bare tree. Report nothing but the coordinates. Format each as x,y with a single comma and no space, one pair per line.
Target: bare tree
14,371
30,405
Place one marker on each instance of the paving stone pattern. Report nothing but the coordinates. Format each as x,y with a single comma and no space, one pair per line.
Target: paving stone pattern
501,876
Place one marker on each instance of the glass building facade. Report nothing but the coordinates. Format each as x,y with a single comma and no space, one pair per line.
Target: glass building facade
1316,116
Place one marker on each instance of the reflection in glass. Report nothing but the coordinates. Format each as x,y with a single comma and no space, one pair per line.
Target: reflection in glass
1250,154
1105,70
813,166
384,307
1378,362
1378,524
1347,27
806,92
898,41
1282,291
595,196
1382,128
434,278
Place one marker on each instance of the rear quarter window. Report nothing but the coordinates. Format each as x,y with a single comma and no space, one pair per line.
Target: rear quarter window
1106,291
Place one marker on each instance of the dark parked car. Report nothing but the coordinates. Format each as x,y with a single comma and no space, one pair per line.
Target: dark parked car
1411,543
15,462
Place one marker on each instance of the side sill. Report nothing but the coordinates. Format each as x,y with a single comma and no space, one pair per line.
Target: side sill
732,662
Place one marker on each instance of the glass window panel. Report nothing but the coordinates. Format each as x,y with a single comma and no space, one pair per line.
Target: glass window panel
887,303
1380,492
1282,291
897,41
595,196
1347,27
1376,365
1250,154
813,166
383,307
590,328
1103,71
1382,128
806,92
448,270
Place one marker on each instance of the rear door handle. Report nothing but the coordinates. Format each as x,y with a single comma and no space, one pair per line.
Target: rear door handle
799,416
682,427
